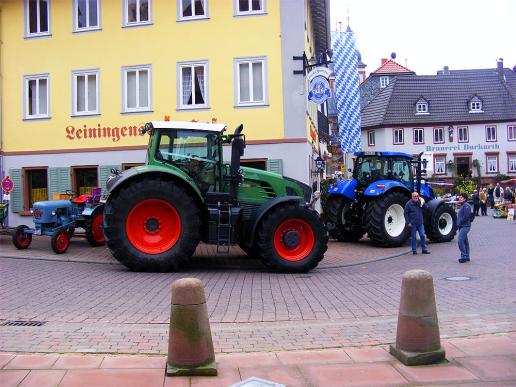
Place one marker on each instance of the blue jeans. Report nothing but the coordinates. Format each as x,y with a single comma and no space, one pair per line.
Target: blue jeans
421,230
463,241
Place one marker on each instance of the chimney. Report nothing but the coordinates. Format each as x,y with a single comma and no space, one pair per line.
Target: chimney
499,67
446,70
384,60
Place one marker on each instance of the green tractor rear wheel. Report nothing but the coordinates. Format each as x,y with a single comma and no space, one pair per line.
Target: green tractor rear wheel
292,239
152,225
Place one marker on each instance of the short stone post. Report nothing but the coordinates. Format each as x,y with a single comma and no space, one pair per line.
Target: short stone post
417,339
190,346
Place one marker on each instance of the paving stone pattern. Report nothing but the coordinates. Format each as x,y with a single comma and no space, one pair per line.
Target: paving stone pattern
90,307
479,361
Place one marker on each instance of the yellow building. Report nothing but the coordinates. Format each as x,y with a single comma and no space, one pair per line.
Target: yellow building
79,77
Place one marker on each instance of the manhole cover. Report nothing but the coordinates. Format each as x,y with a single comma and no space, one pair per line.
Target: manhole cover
458,278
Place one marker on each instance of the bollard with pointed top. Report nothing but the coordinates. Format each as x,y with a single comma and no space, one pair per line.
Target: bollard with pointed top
417,338
190,345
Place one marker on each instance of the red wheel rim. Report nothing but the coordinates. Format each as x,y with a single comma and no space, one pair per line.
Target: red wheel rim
305,239
97,228
62,241
22,238
153,226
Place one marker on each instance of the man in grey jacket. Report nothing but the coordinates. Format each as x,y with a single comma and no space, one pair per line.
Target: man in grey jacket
464,220
414,219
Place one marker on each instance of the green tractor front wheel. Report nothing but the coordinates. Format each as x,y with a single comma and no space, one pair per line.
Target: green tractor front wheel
291,238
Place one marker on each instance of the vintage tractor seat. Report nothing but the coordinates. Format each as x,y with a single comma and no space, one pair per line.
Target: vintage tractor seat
81,199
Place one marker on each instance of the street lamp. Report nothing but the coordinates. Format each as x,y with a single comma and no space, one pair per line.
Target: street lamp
320,164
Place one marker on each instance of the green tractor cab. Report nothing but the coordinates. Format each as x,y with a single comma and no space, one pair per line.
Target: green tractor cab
156,214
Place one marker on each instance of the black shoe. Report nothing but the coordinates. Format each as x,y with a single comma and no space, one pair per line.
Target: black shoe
467,259
414,252
462,260
426,252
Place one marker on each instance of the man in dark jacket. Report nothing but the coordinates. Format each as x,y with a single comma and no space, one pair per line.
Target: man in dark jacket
476,202
464,224
414,218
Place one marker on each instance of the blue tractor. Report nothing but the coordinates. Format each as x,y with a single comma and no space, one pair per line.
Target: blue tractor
373,201
59,219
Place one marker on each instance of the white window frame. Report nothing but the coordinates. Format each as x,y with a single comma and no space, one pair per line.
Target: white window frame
265,94
422,135
180,16
400,140
192,65
125,11
75,11
440,160
262,11
384,82
465,134
35,77
489,138
511,128
511,162
475,106
85,73
492,160
137,109
441,130
371,138
422,108
39,33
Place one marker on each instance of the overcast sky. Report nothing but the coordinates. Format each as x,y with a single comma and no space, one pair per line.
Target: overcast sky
427,35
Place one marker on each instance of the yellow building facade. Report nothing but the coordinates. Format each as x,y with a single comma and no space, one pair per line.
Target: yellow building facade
80,77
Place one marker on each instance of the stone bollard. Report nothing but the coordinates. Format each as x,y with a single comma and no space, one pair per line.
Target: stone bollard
417,338
190,346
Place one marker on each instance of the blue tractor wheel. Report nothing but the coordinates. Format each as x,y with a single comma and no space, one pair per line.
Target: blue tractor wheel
385,220
346,224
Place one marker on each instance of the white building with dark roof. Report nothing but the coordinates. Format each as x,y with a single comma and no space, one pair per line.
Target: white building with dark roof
454,117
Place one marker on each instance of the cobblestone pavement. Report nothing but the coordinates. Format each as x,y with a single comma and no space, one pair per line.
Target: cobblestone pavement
90,307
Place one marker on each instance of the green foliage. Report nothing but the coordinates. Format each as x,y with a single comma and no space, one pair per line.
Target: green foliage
325,184
464,184
439,191
502,176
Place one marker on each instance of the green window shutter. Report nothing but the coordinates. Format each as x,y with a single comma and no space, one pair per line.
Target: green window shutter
16,202
104,173
275,165
58,180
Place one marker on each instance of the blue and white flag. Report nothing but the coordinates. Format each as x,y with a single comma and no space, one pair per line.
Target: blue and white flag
347,90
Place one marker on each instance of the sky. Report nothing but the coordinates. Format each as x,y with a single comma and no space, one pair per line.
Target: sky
428,35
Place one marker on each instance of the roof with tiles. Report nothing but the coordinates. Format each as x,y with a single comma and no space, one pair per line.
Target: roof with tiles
391,67
448,97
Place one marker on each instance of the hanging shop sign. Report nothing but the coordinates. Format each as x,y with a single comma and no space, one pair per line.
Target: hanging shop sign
319,87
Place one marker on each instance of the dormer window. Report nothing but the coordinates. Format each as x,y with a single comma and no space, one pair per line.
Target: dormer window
422,106
475,105
384,82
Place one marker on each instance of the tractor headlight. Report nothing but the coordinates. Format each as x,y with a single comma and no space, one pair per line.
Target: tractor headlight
53,213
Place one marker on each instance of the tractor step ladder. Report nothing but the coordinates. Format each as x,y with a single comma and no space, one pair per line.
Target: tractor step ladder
224,228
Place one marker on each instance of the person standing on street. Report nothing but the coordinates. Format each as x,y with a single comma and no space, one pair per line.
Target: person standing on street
498,193
490,196
476,201
482,196
414,218
464,224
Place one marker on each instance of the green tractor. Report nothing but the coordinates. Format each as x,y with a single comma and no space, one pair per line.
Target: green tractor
156,214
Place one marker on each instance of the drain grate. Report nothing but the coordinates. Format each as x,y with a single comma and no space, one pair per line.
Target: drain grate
22,323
